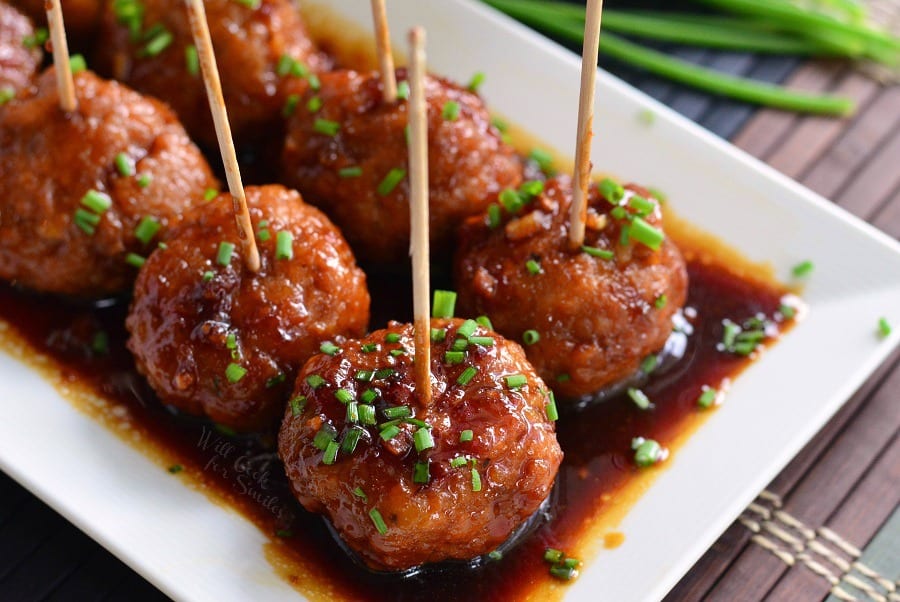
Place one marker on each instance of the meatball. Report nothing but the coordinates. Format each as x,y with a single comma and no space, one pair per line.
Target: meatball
19,57
405,484
595,313
80,16
350,158
76,188
213,338
258,48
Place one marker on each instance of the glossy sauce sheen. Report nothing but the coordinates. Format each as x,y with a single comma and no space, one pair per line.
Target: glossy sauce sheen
246,474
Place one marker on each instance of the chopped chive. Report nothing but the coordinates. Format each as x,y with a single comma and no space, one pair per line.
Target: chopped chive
297,405
787,312
543,158
802,269
465,436
324,436
231,341
77,64
191,60
158,43
533,267
500,124
100,343
493,215
315,381
352,414
649,364
454,357
207,276
135,260
343,395
884,328
553,556
313,80
531,188
175,468
329,348
421,473
511,200
251,4
226,250
482,341
38,38
284,242
86,221
729,334
124,165
283,67
314,104
619,212
366,414
563,573
646,234
641,205
476,81
647,453
423,439
144,180
350,172
476,480
351,440
384,373
458,462
365,376
276,380
403,90
290,105
467,375
389,432
284,533
358,492
6,95
530,337
390,181
98,202
438,335
450,112
324,126
235,372
551,409
467,328
611,190
707,397
209,194
370,347
516,381
147,229
599,253
394,412
639,398
443,304
369,395
563,378
392,337
485,321
331,452
660,301
380,526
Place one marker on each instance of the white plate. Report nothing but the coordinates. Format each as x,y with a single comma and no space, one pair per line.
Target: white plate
194,550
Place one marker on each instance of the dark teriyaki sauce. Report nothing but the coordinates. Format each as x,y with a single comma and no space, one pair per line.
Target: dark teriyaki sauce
87,343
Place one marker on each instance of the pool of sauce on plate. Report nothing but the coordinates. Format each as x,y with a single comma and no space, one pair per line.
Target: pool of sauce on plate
244,473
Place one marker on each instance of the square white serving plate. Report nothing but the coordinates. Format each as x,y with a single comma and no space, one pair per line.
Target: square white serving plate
195,550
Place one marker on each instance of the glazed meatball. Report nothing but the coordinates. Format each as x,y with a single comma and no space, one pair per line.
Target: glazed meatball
595,313
344,155
214,339
250,44
19,57
81,17
76,187
405,484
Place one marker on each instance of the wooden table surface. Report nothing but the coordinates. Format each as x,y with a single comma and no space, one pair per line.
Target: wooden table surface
843,488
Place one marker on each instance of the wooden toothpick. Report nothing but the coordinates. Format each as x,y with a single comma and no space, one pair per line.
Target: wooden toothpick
578,210
383,49
203,43
65,83
418,212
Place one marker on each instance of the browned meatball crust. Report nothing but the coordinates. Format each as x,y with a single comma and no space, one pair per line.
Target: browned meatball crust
468,164
50,160
249,43
193,317
466,508
596,318
80,16
18,61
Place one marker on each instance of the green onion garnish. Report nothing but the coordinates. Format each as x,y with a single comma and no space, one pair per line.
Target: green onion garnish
551,409
329,348
331,452
649,364
147,229
707,397
6,95
366,414
485,321
392,337
530,337
324,126
563,378
207,276
450,112
297,405
516,381
343,395
158,43
235,372
315,381
226,250
438,335
802,269
369,347
641,205
375,515
443,304
100,343
403,90
476,81
97,202
543,158
599,253
390,181
787,312
460,344
38,38
458,462
646,234
533,267
352,414
393,412
191,60
276,380
661,301
465,436
611,190
384,373
358,492
563,573
884,328
482,341
77,64
135,260
365,376
176,468
350,172
423,439
369,395
421,473
231,341
124,165
476,480
531,188
290,105
324,436
467,375
511,200
647,452
619,212
493,215
209,194
553,556
144,180
639,398
86,221
389,432
467,328
314,104
454,357
313,80
284,242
